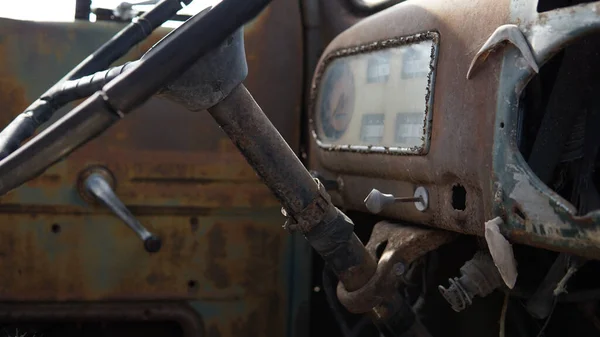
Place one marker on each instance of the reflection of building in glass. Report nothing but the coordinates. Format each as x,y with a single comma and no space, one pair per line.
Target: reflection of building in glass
371,131
415,61
378,68
388,96
409,129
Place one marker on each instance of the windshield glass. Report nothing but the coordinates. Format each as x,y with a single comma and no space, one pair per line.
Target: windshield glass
64,10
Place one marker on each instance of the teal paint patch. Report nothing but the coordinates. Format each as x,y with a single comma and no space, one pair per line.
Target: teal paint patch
219,310
64,194
105,273
51,244
546,219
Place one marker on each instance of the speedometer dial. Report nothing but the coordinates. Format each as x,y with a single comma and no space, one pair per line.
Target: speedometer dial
337,101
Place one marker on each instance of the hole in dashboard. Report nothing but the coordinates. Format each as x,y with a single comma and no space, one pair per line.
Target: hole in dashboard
519,213
192,284
194,223
459,197
380,249
55,228
559,111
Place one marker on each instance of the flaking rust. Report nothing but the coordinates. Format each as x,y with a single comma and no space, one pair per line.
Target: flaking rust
183,185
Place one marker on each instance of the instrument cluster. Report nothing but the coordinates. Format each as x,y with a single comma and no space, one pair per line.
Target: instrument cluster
377,100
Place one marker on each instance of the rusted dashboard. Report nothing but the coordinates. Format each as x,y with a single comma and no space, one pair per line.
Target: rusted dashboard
378,101
224,255
392,109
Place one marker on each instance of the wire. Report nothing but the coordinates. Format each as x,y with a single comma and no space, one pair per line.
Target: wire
71,90
502,332
541,333
40,111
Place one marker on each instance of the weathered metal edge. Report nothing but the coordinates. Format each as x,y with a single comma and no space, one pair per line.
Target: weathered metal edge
433,36
533,213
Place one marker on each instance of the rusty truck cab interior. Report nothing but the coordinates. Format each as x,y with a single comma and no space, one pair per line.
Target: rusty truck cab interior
299,168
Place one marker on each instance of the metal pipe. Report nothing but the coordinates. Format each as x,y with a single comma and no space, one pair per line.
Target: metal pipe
305,202
71,90
40,111
81,124
266,150
180,49
125,93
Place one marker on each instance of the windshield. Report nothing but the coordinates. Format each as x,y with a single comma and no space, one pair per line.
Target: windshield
64,10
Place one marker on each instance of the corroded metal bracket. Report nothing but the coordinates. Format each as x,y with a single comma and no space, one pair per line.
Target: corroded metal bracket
403,246
534,214
501,37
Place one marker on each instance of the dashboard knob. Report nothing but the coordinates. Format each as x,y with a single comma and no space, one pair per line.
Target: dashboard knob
376,201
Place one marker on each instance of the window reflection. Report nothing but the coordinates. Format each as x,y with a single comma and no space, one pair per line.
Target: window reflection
378,68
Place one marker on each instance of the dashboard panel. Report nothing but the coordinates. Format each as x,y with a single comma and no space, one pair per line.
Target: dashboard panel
378,97
442,138
471,167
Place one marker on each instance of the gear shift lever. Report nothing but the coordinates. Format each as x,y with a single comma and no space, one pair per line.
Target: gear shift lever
97,186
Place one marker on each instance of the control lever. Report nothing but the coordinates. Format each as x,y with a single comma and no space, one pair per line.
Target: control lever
97,186
376,201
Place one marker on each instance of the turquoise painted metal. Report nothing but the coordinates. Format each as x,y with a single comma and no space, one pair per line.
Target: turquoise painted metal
534,214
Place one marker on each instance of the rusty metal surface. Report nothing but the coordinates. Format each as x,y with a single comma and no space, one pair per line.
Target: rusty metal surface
396,244
224,250
306,204
250,130
533,213
462,122
180,313
471,146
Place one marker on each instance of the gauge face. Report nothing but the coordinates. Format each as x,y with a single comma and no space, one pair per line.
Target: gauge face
337,101
378,100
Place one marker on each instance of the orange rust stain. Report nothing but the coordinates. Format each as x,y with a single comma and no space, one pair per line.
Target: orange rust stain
266,320
121,135
49,43
215,271
235,258
141,48
226,145
13,97
257,25
261,272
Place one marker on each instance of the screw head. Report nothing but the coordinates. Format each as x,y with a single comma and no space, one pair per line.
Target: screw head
399,269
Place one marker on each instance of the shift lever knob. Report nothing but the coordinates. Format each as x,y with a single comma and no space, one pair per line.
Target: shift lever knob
97,185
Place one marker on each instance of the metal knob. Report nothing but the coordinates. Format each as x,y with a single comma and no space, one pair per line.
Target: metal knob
98,186
376,201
